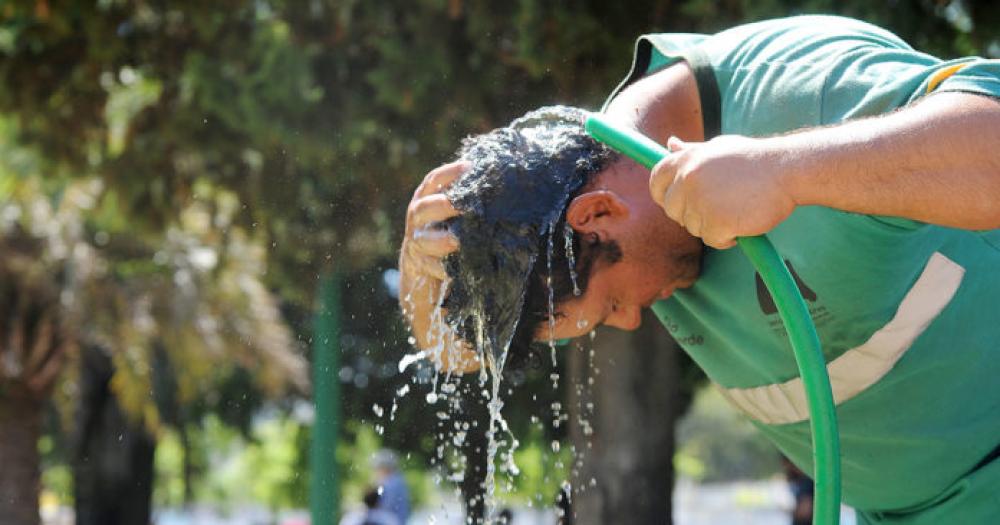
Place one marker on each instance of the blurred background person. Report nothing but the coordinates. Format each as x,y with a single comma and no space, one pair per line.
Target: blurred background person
371,514
395,497
802,492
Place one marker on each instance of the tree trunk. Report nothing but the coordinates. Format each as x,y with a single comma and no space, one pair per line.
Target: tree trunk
187,464
33,344
639,390
476,413
20,476
113,471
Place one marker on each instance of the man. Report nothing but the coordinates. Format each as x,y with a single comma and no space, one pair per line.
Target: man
874,169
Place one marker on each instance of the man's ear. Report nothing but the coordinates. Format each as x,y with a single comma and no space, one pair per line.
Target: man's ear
596,211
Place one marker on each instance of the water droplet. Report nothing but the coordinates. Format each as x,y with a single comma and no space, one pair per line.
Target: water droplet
568,237
409,359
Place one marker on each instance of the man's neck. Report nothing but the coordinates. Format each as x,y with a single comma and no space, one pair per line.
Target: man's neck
662,105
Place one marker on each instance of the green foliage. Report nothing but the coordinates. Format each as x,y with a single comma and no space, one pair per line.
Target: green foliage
56,476
236,470
267,469
267,465
717,444
542,470
168,484
319,119
194,289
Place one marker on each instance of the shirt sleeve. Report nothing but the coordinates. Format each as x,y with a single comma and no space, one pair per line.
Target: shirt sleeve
776,76
975,75
771,75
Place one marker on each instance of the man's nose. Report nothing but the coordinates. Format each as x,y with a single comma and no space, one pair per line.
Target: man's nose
627,318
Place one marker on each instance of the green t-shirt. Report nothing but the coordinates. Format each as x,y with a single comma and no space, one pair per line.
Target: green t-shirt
908,313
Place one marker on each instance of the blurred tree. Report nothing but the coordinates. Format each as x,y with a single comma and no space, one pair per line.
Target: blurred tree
637,376
74,274
34,342
113,452
718,444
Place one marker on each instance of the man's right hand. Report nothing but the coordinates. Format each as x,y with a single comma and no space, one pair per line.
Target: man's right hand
423,280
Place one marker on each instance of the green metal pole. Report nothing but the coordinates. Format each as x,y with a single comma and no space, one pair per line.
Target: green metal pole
324,491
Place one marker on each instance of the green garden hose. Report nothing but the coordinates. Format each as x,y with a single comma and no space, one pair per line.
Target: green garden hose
795,316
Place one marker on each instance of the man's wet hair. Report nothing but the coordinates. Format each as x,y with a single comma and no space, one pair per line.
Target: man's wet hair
512,229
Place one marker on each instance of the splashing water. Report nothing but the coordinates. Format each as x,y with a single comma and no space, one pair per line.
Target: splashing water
511,203
409,359
552,300
571,261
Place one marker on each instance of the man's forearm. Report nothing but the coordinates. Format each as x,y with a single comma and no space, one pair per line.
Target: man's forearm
936,162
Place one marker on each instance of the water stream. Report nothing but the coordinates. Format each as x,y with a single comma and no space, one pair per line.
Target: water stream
511,203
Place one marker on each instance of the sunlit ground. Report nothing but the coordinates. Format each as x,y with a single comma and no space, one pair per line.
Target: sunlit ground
765,502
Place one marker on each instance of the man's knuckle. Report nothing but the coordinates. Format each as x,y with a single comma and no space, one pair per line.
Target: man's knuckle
435,172
413,210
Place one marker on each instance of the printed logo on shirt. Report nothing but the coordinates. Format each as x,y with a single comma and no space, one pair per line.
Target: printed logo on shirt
819,313
687,339
765,300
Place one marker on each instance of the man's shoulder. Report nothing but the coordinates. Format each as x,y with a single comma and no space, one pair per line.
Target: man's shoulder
820,25
815,24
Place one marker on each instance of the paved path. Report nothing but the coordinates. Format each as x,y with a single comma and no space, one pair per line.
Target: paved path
739,503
